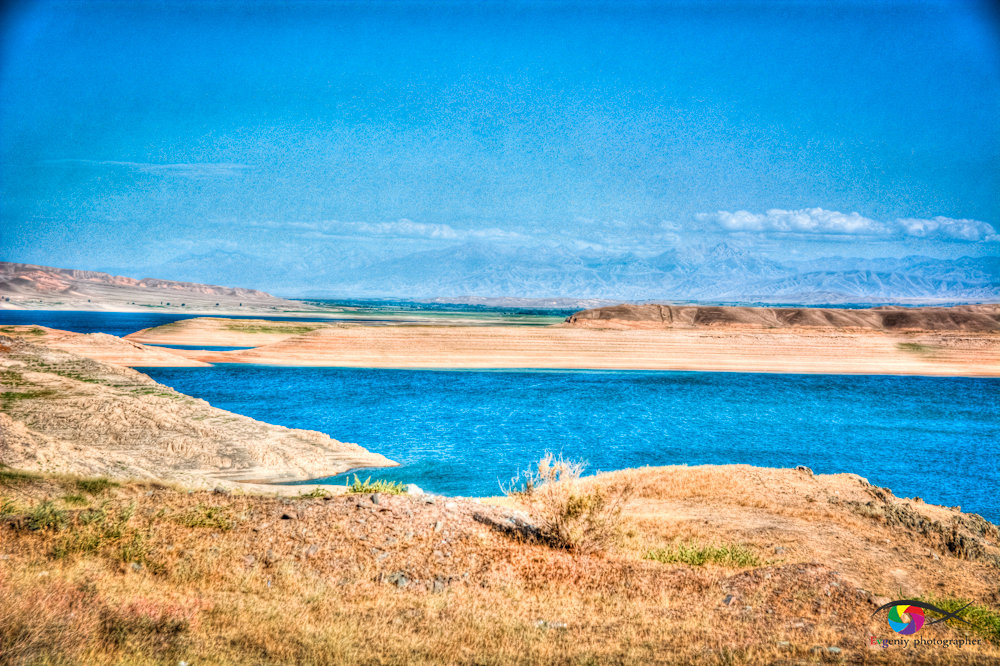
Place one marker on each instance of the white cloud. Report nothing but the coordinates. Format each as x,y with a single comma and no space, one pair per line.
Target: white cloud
183,169
403,228
946,227
833,223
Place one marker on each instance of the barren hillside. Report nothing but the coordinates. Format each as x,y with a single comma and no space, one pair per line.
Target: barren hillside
969,318
26,286
100,347
60,412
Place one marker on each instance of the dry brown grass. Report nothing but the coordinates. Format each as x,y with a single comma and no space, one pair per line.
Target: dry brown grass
566,512
344,579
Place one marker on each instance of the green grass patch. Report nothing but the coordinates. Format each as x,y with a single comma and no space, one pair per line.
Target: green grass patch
985,621
46,516
75,500
34,331
14,477
11,378
315,493
158,392
216,517
278,329
10,398
106,531
696,555
95,486
9,507
914,347
379,486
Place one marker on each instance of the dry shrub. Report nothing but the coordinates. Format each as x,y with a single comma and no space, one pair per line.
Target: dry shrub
568,512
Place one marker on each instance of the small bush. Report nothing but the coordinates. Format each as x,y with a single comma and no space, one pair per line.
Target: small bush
95,486
696,555
46,516
379,486
78,500
568,514
315,493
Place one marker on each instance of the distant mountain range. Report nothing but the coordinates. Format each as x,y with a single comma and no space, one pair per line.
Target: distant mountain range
721,273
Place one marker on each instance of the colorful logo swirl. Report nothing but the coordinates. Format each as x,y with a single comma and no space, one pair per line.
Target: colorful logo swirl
906,620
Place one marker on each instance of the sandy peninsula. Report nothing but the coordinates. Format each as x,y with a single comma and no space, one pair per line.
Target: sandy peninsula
832,349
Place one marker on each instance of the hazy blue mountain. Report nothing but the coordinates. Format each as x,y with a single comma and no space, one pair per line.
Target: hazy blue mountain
721,272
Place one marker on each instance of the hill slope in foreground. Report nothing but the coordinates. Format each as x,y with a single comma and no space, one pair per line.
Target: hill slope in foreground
60,412
714,565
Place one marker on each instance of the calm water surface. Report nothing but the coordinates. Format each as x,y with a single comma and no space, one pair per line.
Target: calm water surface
115,323
462,432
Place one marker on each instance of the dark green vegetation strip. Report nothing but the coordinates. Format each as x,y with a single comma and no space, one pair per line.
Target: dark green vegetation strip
694,554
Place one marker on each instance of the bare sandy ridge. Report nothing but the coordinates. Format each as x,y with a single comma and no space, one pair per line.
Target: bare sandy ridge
224,332
814,351
101,347
60,412
27,286
969,318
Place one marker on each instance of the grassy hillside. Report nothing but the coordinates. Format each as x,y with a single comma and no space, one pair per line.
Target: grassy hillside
706,565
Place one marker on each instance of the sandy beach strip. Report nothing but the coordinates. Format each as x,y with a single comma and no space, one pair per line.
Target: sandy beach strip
563,347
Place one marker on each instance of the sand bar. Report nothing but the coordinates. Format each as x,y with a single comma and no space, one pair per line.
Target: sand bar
565,347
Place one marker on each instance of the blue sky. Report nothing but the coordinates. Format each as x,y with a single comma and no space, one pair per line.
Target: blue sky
134,135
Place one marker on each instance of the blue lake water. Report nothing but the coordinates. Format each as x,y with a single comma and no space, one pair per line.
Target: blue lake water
115,323
123,323
112,323
463,432
199,347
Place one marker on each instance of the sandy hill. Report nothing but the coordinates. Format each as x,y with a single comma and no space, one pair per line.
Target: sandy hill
44,287
970,318
643,345
100,347
63,412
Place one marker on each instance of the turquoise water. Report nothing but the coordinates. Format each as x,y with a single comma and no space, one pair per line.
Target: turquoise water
123,323
199,347
464,432
112,323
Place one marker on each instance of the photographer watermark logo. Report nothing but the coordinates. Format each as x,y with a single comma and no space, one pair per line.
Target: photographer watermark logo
908,616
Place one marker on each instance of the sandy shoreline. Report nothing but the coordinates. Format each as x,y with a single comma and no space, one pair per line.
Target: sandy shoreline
565,347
